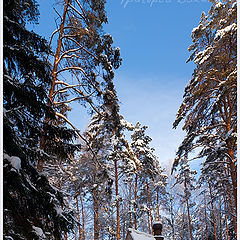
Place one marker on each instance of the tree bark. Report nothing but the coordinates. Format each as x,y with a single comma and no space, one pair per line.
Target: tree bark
135,203
54,77
83,219
230,200
172,215
227,116
183,219
117,198
78,213
188,212
189,221
150,210
212,211
158,215
96,215
206,218
226,219
65,236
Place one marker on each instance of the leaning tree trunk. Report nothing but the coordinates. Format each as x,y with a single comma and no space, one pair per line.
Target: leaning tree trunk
54,77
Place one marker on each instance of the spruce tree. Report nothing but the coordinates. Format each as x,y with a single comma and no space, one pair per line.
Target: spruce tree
31,205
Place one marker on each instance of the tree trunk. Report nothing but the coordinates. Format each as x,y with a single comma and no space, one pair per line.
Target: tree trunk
172,215
83,219
96,214
117,199
158,215
150,210
206,217
226,114
220,219
78,213
233,166
226,219
188,212
148,218
54,75
135,203
189,221
124,226
65,236
183,219
212,211
230,200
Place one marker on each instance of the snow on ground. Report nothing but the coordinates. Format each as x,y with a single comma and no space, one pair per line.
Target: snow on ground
137,235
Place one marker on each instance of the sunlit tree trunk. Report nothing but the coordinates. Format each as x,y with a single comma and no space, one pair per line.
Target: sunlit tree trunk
65,236
226,114
135,199
96,214
231,151
148,219
54,76
150,210
226,171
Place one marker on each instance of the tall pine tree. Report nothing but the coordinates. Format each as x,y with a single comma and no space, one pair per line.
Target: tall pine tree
31,205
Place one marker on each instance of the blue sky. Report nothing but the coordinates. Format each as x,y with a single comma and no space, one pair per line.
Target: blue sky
153,36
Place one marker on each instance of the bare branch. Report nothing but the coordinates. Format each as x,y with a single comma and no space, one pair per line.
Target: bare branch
72,68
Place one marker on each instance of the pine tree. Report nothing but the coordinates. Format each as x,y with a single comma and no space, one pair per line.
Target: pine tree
209,107
32,206
149,180
187,178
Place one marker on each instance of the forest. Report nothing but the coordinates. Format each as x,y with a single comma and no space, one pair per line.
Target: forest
62,182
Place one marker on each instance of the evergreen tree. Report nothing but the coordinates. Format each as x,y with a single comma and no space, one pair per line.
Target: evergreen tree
187,178
32,207
149,180
209,108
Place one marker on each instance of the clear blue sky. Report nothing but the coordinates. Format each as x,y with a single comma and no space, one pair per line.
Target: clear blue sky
153,36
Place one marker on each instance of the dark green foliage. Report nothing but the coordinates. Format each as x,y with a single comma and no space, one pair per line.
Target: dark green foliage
29,199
